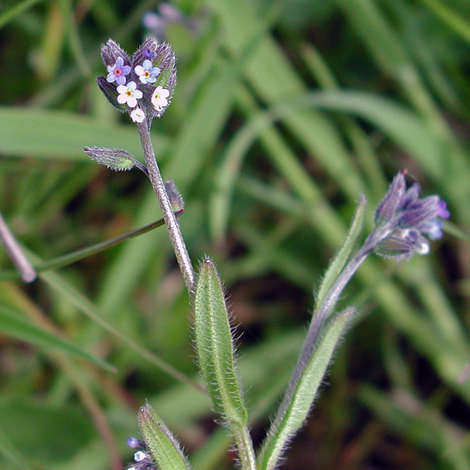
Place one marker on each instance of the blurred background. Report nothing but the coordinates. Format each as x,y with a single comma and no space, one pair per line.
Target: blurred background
285,113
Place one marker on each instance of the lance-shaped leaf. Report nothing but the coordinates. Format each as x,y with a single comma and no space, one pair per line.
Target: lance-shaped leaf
215,353
214,346
299,397
164,449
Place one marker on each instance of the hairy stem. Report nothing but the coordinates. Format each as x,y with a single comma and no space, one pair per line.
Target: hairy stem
179,246
245,447
323,311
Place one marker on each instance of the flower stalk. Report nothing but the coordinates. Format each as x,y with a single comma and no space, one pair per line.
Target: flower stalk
177,240
142,86
401,220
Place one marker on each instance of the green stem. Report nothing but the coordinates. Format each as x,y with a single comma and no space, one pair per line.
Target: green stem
69,258
245,447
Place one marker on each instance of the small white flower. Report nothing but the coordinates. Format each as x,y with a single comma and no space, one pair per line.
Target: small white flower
159,98
139,456
129,94
137,115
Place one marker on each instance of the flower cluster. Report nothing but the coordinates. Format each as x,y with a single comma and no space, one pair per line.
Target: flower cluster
402,220
142,459
142,86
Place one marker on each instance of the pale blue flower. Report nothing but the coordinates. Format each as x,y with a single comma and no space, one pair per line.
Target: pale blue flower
117,72
146,72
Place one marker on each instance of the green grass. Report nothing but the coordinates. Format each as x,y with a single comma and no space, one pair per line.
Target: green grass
284,114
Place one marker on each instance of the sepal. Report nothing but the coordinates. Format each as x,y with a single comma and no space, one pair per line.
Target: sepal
394,247
114,159
111,51
110,92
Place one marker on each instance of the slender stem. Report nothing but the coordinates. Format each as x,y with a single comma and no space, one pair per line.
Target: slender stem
330,301
179,246
245,447
77,255
321,314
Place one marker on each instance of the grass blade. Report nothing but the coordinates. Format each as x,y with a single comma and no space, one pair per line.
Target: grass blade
14,324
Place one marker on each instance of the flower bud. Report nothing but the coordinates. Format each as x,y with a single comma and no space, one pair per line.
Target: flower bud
392,200
402,219
176,200
114,159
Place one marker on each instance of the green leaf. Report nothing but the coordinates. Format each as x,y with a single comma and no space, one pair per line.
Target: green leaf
273,78
299,398
401,124
61,135
456,22
337,264
15,11
47,434
11,452
214,346
163,446
14,324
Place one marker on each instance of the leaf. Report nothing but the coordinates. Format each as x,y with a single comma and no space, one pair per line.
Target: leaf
298,399
399,123
45,433
14,324
15,11
60,135
11,452
214,345
163,446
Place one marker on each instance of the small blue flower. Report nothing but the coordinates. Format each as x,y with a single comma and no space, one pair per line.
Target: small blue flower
146,72
403,220
142,459
135,443
117,72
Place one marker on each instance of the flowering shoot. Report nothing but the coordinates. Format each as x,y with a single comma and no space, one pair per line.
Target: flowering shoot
149,76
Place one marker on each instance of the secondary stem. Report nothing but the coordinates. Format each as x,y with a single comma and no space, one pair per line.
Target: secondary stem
323,311
179,246
245,447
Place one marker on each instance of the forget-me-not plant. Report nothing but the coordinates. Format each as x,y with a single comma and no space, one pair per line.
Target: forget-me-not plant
404,223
